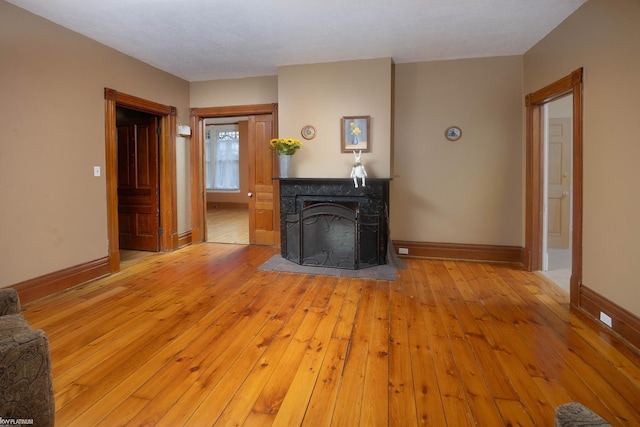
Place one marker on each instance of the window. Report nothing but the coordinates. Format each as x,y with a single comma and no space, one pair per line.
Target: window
222,154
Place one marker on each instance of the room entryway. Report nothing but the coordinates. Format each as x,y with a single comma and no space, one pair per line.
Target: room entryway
565,195
226,176
165,137
260,122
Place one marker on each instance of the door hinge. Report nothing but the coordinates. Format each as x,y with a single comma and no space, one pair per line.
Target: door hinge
160,231
158,130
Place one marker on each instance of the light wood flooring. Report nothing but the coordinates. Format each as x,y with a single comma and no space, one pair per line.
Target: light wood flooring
228,225
200,337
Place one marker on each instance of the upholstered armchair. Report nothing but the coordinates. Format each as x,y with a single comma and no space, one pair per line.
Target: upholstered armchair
26,387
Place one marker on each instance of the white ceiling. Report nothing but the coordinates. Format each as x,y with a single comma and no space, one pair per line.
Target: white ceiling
216,39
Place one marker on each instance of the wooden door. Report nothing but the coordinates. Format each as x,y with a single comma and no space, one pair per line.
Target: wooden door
261,184
138,197
559,183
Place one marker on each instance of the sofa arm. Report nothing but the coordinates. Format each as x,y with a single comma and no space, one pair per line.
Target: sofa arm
9,301
26,386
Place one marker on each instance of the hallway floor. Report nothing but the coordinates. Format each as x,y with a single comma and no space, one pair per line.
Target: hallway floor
559,271
228,225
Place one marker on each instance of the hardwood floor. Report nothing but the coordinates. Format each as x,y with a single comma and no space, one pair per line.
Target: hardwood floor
228,225
200,337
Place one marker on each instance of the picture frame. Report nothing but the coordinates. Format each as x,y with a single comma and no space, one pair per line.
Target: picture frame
355,134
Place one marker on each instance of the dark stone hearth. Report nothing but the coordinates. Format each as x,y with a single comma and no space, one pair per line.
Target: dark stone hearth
327,222
380,272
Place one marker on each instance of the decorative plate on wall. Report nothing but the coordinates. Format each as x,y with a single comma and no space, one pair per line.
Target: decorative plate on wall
453,133
308,132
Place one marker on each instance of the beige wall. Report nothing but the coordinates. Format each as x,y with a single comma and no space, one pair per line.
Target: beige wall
320,95
52,83
229,92
603,36
468,191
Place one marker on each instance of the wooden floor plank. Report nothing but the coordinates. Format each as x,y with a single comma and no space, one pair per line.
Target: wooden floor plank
236,355
454,400
476,389
231,339
322,401
348,406
149,335
319,411
200,337
269,402
344,324
236,400
428,401
402,404
297,395
377,390
514,413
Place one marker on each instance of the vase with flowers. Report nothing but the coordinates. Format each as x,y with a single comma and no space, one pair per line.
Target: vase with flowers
355,132
285,148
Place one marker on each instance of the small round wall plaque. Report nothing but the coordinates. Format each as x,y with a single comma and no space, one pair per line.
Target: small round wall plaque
308,132
453,133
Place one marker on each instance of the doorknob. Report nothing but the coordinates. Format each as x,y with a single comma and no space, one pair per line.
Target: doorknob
249,194
565,193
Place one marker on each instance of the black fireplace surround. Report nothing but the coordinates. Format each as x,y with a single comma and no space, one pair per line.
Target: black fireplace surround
327,222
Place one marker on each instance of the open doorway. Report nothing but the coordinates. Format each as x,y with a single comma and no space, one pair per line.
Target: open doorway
167,197
536,187
557,200
263,211
226,167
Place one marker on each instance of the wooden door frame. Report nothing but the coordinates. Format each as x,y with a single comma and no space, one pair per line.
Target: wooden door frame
535,152
168,199
198,193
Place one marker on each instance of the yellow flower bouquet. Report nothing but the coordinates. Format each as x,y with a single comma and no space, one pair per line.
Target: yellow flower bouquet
286,146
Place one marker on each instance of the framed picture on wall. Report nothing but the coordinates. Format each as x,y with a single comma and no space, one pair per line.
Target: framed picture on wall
355,134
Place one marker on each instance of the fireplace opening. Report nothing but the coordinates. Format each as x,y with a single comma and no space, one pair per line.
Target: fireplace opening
329,235
332,234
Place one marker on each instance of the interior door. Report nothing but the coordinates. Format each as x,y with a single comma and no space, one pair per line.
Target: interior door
559,183
138,197
261,184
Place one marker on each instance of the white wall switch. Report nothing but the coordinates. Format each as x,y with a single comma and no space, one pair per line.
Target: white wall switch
96,171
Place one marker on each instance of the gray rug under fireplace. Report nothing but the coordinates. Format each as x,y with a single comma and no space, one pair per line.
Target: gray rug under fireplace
378,272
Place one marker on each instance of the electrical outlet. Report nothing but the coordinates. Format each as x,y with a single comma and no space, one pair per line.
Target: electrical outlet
403,251
605,319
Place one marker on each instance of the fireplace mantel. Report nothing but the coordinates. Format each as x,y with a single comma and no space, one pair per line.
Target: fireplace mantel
369,205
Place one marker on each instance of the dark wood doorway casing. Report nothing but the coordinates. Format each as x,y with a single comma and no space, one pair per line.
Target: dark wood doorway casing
167,170
198,193
535,155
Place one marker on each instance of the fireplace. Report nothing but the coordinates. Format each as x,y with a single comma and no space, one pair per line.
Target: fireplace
328,222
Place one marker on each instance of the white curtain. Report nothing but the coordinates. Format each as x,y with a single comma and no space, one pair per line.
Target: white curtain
223,158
